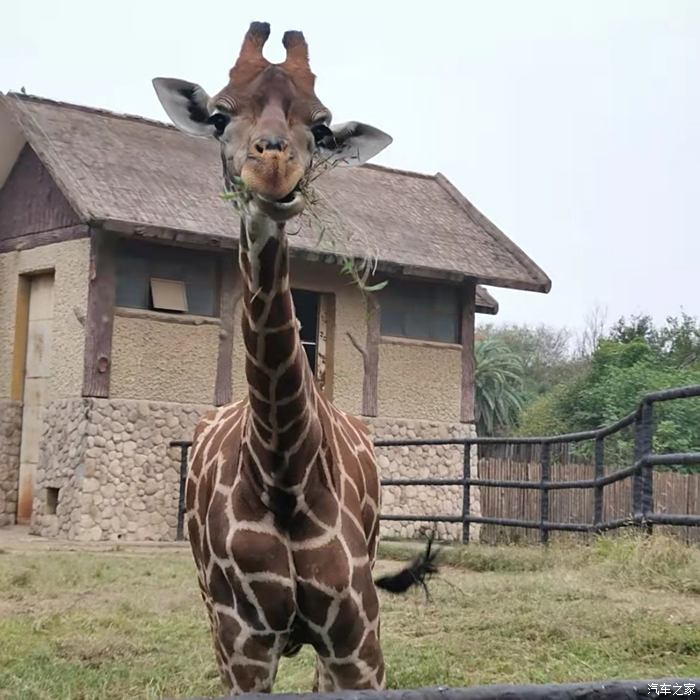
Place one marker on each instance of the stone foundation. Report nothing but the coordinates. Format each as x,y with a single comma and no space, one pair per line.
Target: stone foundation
106,470
116,475
10,440
441,461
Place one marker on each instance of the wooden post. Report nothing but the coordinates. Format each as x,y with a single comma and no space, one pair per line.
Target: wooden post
325,365
99,318
467,337
371,358
19,356
544,492
642,481
647,473
466,475
598,490
230,287
184,447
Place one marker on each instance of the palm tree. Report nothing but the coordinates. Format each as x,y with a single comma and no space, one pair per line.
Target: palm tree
498,379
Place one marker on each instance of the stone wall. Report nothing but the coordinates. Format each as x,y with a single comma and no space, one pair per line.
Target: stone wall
10,439
441,461
111,461
106,470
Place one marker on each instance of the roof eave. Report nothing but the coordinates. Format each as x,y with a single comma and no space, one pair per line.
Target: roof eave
488,310
491,305
538,280
186,237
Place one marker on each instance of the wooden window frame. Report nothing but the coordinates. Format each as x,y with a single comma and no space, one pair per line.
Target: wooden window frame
166,314
428,342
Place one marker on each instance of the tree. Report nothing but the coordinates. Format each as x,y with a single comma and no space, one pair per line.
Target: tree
636,358
677,343
593,331
498,378
679,340
543,350
639,327
542,416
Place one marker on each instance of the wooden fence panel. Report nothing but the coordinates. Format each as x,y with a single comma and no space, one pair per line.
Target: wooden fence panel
678,494
673,493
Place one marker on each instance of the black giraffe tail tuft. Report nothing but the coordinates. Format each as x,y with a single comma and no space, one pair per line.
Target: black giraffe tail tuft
415,574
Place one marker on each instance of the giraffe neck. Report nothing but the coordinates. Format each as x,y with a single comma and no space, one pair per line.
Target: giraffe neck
283,427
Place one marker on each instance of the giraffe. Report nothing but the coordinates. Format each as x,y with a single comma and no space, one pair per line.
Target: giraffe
283,491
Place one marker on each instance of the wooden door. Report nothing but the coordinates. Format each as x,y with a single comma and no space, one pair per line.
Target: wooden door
37,367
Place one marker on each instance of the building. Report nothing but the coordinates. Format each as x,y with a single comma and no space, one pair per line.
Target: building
119,314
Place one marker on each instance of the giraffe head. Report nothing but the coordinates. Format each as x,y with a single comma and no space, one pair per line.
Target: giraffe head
271,126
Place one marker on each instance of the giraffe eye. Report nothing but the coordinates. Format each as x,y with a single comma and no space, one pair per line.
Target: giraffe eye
323,136
219,121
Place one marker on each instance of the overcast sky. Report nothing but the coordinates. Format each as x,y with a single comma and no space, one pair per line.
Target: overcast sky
573,125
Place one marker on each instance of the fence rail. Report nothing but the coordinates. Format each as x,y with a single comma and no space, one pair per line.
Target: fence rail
641,472
597,690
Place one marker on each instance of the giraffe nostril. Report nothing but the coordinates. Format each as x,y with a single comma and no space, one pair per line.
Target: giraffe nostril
271,144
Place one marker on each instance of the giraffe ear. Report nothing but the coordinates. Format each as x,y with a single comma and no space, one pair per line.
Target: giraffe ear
353,143
186,104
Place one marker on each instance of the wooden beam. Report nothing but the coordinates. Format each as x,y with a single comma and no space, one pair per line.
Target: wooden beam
370,358
468,366
34,240
19,355
99,318
325,370
230,290
369,383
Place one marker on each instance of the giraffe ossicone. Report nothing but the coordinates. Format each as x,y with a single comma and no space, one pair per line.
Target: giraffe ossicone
283,492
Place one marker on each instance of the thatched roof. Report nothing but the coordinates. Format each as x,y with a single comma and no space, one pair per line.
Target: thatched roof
147,178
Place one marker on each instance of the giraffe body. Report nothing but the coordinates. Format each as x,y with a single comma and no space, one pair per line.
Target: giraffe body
269,589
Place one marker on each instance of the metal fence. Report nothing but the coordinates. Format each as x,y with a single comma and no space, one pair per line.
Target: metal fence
598,690
641,472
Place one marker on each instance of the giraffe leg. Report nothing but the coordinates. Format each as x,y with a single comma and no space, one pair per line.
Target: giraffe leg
323,681
220,662
356,661
314,688
353,673
249,659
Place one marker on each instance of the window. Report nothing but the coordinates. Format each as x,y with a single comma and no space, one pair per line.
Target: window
51,500
306,305
420,310
167,279
168,295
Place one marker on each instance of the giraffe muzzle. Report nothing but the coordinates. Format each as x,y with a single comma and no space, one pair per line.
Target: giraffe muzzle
282,209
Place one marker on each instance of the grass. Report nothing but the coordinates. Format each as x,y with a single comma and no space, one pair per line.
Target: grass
130,623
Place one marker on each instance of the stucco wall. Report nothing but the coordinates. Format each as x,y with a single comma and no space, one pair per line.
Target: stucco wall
163,360
419,381
350,315
70,262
